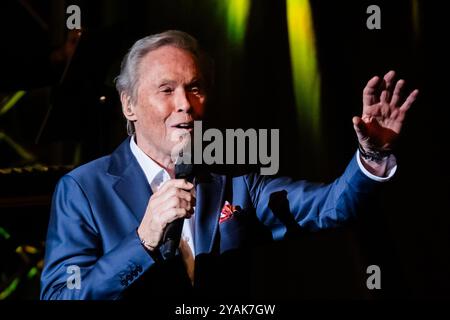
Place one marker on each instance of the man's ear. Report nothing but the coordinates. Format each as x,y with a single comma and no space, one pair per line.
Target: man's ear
127,107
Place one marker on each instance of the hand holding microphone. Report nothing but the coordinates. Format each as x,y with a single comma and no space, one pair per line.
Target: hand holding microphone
166,210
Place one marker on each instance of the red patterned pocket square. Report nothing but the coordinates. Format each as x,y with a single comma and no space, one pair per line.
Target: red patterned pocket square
227,211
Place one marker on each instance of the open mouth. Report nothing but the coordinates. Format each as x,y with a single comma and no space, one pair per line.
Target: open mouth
184,125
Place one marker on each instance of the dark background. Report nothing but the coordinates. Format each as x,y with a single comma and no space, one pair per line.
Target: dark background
405,232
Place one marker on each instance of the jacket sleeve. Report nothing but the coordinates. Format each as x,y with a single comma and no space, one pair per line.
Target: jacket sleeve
313,206
74,244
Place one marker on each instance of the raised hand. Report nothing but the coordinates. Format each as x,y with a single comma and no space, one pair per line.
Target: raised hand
383,114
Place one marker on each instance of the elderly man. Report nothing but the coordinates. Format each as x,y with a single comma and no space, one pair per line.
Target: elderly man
108,216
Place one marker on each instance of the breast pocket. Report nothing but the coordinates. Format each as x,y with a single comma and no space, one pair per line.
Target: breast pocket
234,231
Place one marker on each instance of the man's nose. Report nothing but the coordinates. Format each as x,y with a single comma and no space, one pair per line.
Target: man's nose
182,102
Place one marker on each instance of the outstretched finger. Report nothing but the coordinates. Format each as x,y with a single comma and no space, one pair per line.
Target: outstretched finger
387,86
397,91
409,101
389,77
369,92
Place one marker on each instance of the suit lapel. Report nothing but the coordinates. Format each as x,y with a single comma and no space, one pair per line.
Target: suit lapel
210,196
132,186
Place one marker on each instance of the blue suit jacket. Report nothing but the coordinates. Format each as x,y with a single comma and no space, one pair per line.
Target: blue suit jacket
97,208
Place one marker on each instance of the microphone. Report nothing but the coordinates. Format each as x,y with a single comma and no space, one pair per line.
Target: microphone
172,233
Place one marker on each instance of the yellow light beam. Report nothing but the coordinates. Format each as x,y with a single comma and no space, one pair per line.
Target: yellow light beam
12,101
21,151
236,15
10,289
305,73
415,8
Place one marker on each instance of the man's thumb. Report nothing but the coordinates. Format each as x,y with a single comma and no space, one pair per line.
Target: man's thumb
360,126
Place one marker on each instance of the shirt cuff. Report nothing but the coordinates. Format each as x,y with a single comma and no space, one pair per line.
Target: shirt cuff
390,169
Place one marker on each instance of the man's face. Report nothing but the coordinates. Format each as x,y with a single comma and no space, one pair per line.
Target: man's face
170,97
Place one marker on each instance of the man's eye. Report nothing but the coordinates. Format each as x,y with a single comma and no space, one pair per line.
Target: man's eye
195,90
167,90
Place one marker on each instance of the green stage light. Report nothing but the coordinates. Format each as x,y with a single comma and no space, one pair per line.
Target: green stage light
304,64
4,234
12,101
236,15
21,151
10,289
32,273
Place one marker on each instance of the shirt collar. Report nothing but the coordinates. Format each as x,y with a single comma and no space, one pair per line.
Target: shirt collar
154,173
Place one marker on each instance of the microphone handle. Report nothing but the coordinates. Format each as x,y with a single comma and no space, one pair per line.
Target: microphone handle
172,233
171,238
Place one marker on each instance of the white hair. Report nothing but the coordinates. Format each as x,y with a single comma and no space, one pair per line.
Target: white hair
127,82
